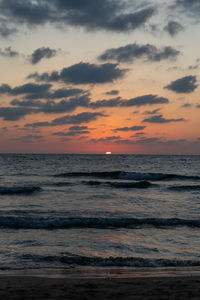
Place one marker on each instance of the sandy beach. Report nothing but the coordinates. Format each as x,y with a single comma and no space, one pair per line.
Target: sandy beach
27,287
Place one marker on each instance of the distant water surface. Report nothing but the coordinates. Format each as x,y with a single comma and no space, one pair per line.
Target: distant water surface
63,211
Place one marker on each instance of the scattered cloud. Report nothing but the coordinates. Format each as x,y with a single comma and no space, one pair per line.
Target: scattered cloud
184,85
173,28
84,117
32,90
106,139
71,133
145,100
112,93
14,113
8,52
186,105
133,128
152,112
131,52
40,53
159,119
115,102
83,73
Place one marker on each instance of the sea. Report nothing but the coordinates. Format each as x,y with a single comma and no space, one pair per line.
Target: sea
120,213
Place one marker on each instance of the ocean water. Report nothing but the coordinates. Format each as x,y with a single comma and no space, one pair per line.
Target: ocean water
68,211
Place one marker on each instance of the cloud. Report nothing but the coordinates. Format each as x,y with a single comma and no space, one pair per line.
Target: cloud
173,28
71,133
153,112
39,91
133,128
65,93
92,15
190,7
40,53
8,52
106,139
83,73
6,29
159,119
184,85
32,90
186,105
84,117
78,128
131,52
65,106
14,113
106,103
145,100
112,93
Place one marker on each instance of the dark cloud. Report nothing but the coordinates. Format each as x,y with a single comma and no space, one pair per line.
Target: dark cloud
40,53
32,90
8,52
198,106
106,103
173,28
78,128
92,15
133,128
26,103
71,133
65,106
112,93
52,106
14,113
159,119
131,52
106,139
152,112
186,105
145,100
84,117
83,73
184,85
64,93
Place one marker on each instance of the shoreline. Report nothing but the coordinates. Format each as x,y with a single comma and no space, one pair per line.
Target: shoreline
138,288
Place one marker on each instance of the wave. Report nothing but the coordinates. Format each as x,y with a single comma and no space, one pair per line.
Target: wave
140,185
185,188
98,223
19,190
80,260
129,176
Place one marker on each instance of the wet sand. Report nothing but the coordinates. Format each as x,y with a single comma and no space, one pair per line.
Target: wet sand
27,287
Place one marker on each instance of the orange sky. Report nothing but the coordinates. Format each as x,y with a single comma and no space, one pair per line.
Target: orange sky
98,84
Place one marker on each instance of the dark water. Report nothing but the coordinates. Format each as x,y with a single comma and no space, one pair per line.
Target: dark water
59,211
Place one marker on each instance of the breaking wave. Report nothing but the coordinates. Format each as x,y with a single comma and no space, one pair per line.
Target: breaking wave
80,260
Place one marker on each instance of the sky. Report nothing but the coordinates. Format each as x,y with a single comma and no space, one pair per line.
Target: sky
90,76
